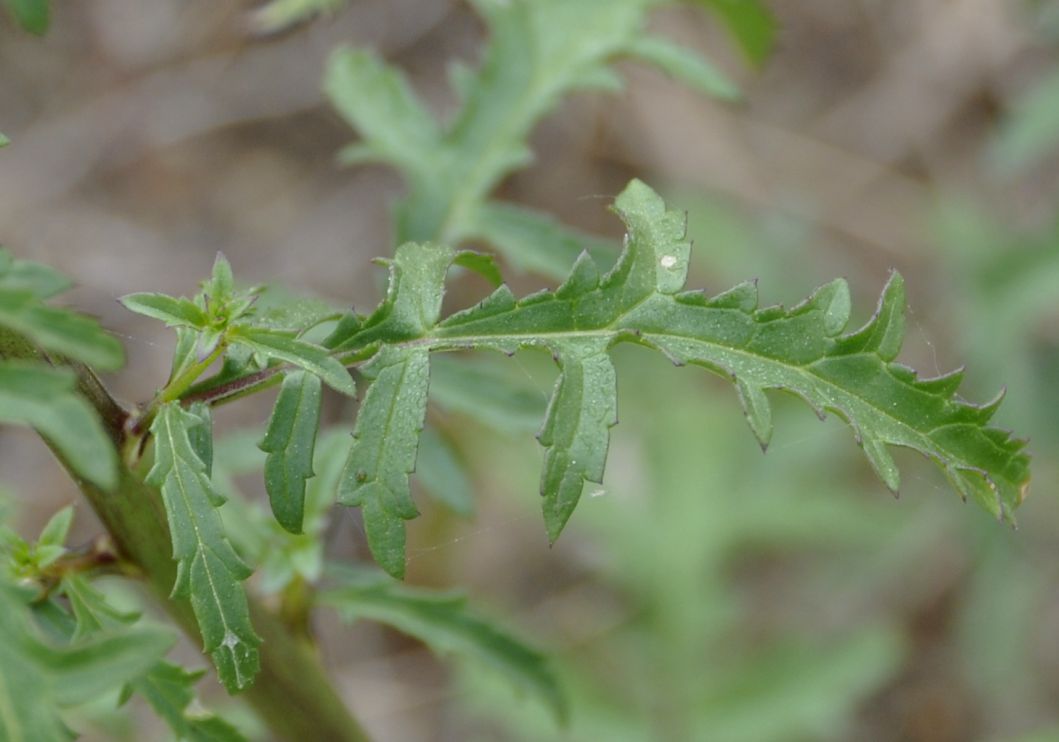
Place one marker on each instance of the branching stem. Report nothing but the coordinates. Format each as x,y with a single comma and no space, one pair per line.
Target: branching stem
292,693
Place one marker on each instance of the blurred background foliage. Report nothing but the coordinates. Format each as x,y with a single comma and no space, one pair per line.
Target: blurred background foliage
704,591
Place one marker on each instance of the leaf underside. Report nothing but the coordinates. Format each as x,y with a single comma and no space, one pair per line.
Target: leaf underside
386,438
209,572
804,350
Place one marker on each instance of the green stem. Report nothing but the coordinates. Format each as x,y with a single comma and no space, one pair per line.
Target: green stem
184,381
131,443
217,392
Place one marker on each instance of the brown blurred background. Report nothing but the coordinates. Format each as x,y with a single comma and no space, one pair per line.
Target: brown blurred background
147,138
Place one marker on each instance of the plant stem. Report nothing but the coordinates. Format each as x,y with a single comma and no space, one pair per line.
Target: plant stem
177,387
292,693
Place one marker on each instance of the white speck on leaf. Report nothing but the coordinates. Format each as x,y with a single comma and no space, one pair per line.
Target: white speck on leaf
668,261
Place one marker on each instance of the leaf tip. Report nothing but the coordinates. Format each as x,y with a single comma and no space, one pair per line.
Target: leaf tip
757,410
834,302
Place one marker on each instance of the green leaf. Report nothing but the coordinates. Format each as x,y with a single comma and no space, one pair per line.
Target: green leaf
481,263
1030,132
45,398
533,241
174,312
208,570
28,710
103,661
168,688
279,15
445,624
385,440
379,103
23,285
289,443
684,65
23,275
798,690
4,141
538,51
750,21
221,286
39,676
72,335
576,430
641,300
92,613
277,555
33,15
280,309
413,299
484,391
200,436
442,474
281,346
56,529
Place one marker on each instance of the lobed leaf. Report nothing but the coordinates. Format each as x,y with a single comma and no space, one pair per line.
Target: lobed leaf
378,101
46,399
165,686
39,675
538,51
445,624
804,350
413,300
209,572
386,438
289,443
576,429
